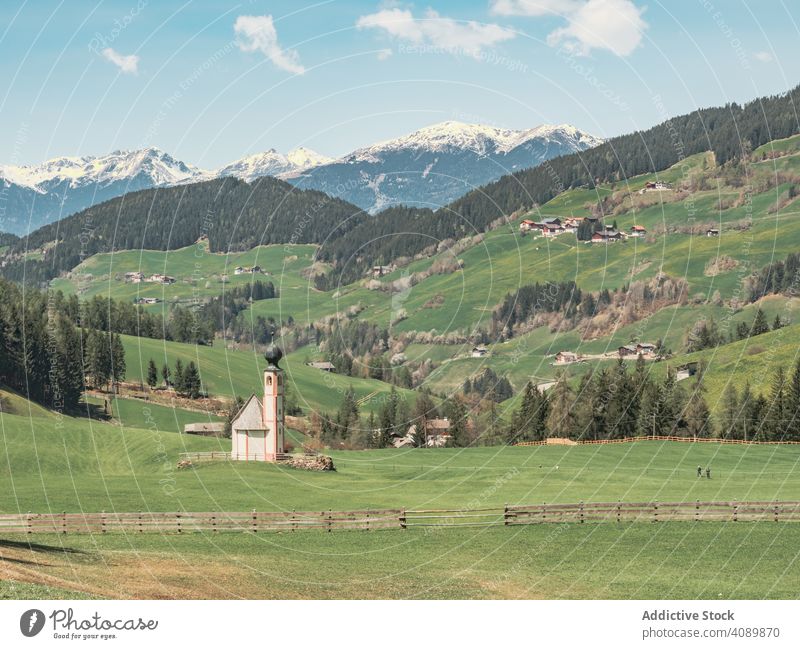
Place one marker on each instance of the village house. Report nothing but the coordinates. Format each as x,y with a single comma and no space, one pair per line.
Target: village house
479,351
134,277
646,349
712,232
627,350
655,186
637,231
147,300
565,358
238,270
606,236
527,225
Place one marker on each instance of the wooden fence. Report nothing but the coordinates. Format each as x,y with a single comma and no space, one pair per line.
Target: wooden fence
383,519
180,522
656,438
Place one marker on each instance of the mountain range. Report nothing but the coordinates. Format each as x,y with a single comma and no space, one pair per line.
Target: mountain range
430,167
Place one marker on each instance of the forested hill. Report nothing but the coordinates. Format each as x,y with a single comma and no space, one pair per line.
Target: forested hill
233,214
728,131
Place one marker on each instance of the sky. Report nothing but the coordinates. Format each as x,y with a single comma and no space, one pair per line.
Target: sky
210,82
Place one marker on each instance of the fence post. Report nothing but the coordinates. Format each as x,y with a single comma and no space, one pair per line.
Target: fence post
505,514
544,512
28,522
655,512
581,510
213,523
735,512
140,522
697,510
63,522
255,521
776,512
330,522
619,511
402,519
178,522
367,515
294,521
103,522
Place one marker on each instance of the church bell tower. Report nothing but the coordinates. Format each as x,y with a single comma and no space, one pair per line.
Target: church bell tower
274,386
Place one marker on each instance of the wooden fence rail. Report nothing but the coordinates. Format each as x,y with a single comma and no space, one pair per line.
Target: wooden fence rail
382,519
659,438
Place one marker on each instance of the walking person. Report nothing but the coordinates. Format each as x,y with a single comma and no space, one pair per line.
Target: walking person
699,471
708,472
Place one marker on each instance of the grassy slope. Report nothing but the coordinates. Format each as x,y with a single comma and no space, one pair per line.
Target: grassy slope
229,372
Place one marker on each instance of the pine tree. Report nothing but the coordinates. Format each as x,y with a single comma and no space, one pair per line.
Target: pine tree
152,374
191,381
760,324
561,419
117,358
177,377
696,413
424,410
776,420
98,358
730,417
347,417
165,374
456,413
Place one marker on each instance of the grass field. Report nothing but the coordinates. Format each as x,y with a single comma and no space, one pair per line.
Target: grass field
64,464
644,561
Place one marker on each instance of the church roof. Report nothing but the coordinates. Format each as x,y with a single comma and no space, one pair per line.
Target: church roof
250,415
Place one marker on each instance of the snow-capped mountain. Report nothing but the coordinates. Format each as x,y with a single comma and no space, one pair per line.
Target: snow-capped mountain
436,164
272,163
429,167
40,194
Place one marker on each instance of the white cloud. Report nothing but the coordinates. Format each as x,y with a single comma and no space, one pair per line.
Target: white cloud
436,31
257,34
614,25
533,7
384,54
127,64
763,56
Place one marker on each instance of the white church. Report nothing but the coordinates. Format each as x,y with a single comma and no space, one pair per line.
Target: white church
257,430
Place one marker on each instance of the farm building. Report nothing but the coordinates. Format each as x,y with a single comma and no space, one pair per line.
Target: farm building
646,349
134,277
159,278
147,300
257,430
627,350
606,236
527,225
637,231
380,271
479,352
438,432
565,358
325,366
238,270
205,428
712,232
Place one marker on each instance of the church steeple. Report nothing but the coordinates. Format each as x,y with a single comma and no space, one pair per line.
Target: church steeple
273,400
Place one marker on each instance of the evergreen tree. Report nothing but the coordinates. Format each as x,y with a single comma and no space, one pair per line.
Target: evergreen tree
165,374
456,413
561,419
177,377
117,358
730,417
760,324
696,413
347,420
424,410
152,373
777,416
191,381
98,358
793,406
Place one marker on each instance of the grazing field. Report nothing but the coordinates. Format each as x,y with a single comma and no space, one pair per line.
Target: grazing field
66,464
569,561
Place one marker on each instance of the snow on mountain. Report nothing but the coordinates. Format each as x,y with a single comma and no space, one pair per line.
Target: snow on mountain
158,167
436,164
272,163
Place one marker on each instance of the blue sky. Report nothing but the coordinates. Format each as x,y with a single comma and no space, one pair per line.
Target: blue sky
210,82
